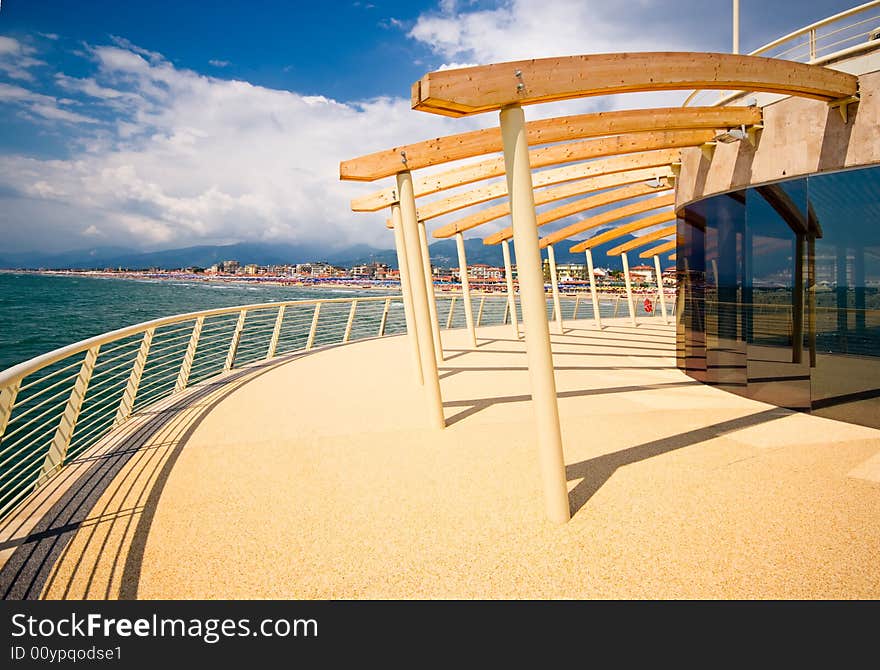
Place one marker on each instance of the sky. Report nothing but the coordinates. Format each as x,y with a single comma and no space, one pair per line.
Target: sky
164,124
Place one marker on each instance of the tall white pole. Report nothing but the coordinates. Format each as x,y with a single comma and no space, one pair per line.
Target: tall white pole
420,297
534,307
406,291
597,319
511,294
429,284
465,288
629,289
554,284
660,287
736,26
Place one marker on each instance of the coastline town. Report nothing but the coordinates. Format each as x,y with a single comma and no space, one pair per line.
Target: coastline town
572,277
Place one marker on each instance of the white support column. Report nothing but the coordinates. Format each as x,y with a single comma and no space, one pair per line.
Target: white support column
465,288
421,298
189,356
429,285
534,306
276,334
406,280
577,302
629,290
511,294
314,327
236,338
64,432
554,285
660,288
597,319
134,380
480,310
350,322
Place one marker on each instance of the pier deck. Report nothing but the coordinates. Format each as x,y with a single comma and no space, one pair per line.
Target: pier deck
315,477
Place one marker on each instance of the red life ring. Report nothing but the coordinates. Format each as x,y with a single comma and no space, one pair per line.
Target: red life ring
649,306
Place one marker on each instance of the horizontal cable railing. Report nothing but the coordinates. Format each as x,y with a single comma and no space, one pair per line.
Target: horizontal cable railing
57,406
842,35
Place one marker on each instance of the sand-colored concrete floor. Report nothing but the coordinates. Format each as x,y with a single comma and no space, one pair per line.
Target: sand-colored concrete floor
317,478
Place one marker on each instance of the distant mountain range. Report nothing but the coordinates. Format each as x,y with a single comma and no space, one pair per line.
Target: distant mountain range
443,254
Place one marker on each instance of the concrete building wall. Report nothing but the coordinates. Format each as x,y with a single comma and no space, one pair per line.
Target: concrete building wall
800,137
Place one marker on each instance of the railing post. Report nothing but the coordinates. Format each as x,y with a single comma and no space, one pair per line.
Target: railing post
412,236
506,314
189,356
465,288
659,272
429,285
554,285
276,333
813,44
314,327
7,400
616,304
511,294
236,338
134,379
480,310
629,291
577,302
451,313
597,318
534,306
350,323
384,317
64,432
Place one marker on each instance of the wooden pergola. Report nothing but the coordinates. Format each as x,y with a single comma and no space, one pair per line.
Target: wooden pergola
627,159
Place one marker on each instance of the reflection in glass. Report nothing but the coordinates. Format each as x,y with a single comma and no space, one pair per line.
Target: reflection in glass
779,288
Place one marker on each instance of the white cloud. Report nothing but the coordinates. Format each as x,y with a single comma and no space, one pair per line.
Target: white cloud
219,63
92,231
36,104
16,59
189,159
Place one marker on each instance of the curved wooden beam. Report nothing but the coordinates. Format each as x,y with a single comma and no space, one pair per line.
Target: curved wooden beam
438,208
605,198
545,131
642,240
490,87
614,233
659,249
639,207
427,185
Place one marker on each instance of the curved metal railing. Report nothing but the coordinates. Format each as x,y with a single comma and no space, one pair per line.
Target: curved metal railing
55,407
842,35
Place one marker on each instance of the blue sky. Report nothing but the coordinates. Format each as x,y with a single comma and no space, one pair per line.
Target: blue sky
163,124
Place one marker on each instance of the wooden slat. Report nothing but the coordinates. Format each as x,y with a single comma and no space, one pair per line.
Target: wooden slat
659,249
672,257
490,87
426,185
608,217
441,150
548,195
570,152
614,233
583,205
641,241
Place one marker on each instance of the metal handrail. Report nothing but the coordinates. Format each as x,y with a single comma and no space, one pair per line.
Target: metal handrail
812,52
56,406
